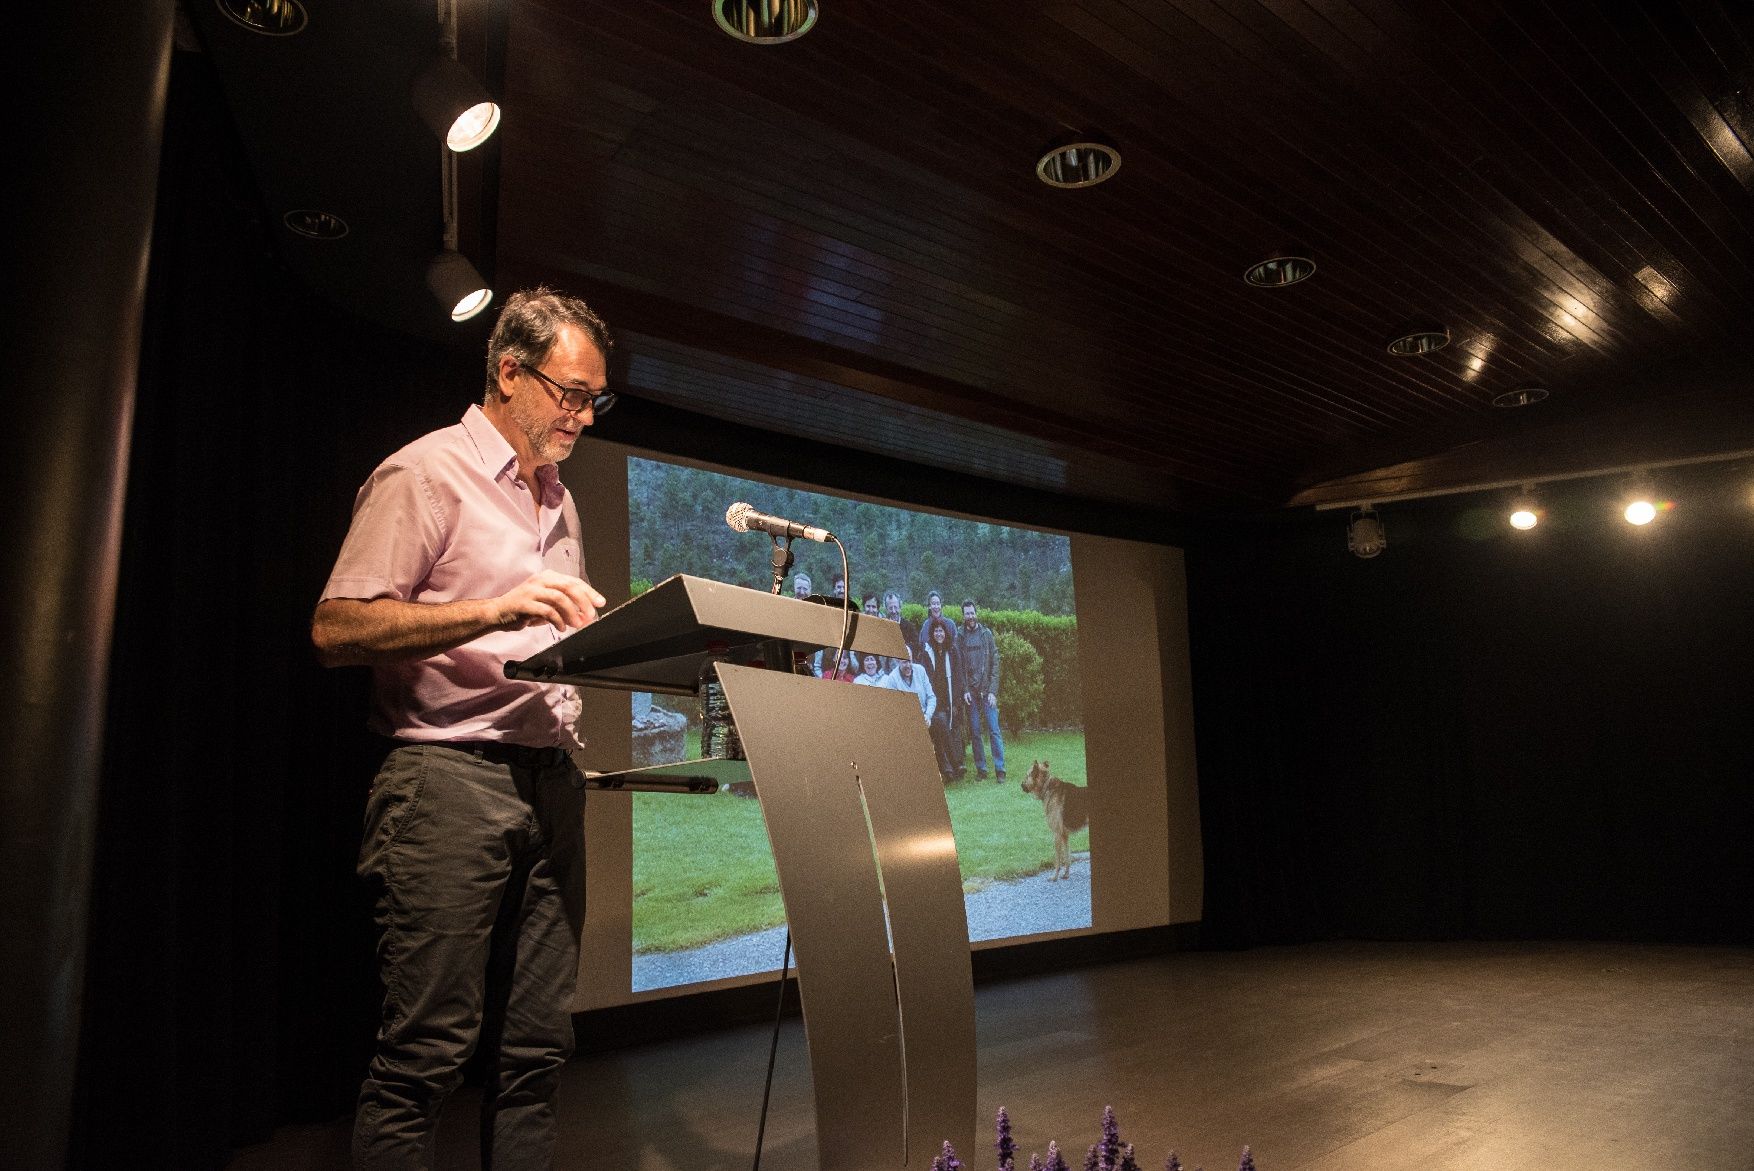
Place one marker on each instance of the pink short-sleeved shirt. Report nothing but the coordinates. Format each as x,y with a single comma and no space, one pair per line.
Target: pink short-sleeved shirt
447,519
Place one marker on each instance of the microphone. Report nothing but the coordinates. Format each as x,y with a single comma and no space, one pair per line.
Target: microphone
743,517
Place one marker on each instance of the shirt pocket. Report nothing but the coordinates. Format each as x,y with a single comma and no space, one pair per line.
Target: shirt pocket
563,557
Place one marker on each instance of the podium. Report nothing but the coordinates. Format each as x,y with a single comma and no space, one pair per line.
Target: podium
861,840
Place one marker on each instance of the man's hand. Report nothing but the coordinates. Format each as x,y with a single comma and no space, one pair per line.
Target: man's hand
559,599
352,632
992,700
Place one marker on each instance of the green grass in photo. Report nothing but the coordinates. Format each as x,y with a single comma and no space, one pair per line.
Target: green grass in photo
702,870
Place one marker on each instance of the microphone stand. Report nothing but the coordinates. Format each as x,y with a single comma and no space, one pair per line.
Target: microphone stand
782,562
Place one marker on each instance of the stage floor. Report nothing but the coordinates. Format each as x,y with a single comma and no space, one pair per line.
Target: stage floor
1362,1057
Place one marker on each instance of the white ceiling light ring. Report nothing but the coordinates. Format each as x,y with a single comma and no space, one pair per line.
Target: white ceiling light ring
1280,272
315,225
1080,162
1522,396
269,18
765,22
1417,340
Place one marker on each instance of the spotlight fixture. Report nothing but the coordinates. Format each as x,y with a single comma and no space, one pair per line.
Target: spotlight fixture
1524,514
765,22
1280,271
1422,339
1364,533
271,18
314,225
459,288
1640,512
454,104
1522,396
1083,162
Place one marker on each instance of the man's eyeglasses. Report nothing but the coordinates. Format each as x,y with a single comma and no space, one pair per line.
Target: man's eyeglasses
575,398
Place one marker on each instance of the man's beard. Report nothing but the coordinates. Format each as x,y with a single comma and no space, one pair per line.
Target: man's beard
544,438
549,446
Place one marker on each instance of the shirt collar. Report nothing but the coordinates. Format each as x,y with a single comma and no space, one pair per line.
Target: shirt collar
497,456
494,450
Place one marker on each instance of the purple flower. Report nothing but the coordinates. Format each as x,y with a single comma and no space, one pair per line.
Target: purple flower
1248,1161
1090,1158
1056,1161
1007,1149
1128,1163
1173,1163
947,1160
1111,1140
1035,1163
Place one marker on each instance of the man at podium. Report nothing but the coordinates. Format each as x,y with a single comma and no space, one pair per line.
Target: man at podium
464,552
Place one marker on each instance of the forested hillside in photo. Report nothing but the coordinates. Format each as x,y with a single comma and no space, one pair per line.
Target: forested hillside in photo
677,525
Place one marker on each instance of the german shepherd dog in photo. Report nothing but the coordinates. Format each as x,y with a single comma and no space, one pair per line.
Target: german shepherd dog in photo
1067,807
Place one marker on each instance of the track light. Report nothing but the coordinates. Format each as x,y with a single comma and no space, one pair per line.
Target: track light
1640,512
1365,535
459,288
454,104
1524,515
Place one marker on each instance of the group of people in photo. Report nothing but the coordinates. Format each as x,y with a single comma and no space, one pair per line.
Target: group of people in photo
951,667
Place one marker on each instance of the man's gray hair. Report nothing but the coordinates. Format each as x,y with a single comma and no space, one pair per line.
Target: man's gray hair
527,327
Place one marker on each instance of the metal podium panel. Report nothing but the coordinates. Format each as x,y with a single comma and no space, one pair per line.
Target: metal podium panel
928,926
891,1038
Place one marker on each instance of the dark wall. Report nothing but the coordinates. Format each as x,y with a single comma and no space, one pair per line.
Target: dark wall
1482,733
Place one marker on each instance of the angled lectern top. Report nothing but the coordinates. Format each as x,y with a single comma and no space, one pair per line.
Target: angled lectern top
657,641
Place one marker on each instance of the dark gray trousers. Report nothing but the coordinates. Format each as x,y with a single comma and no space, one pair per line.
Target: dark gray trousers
477,872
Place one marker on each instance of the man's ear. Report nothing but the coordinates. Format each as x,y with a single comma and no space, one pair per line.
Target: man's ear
508,370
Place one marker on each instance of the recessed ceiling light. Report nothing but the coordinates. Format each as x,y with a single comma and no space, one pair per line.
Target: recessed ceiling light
1522,396
1280,271
1421,340
1083,163
315,225
271,18
765,22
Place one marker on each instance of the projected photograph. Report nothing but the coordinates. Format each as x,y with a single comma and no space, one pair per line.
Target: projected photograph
988,614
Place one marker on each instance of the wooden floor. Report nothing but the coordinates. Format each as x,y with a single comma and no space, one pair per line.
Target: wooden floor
1362,1057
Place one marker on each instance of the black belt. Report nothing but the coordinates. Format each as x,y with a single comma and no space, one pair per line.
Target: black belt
499,752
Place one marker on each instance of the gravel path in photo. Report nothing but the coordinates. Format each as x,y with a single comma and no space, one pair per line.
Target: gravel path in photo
1026,906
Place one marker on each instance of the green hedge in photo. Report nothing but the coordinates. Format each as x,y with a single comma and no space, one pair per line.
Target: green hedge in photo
1054,639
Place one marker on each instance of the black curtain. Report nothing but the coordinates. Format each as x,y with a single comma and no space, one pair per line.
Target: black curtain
229,985
1481,733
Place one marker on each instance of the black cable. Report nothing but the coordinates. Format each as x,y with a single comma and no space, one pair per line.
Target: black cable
773,1049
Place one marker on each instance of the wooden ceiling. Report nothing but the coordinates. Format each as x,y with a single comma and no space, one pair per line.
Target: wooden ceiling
843,239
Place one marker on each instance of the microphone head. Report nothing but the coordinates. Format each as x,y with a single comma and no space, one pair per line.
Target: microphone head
737,516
